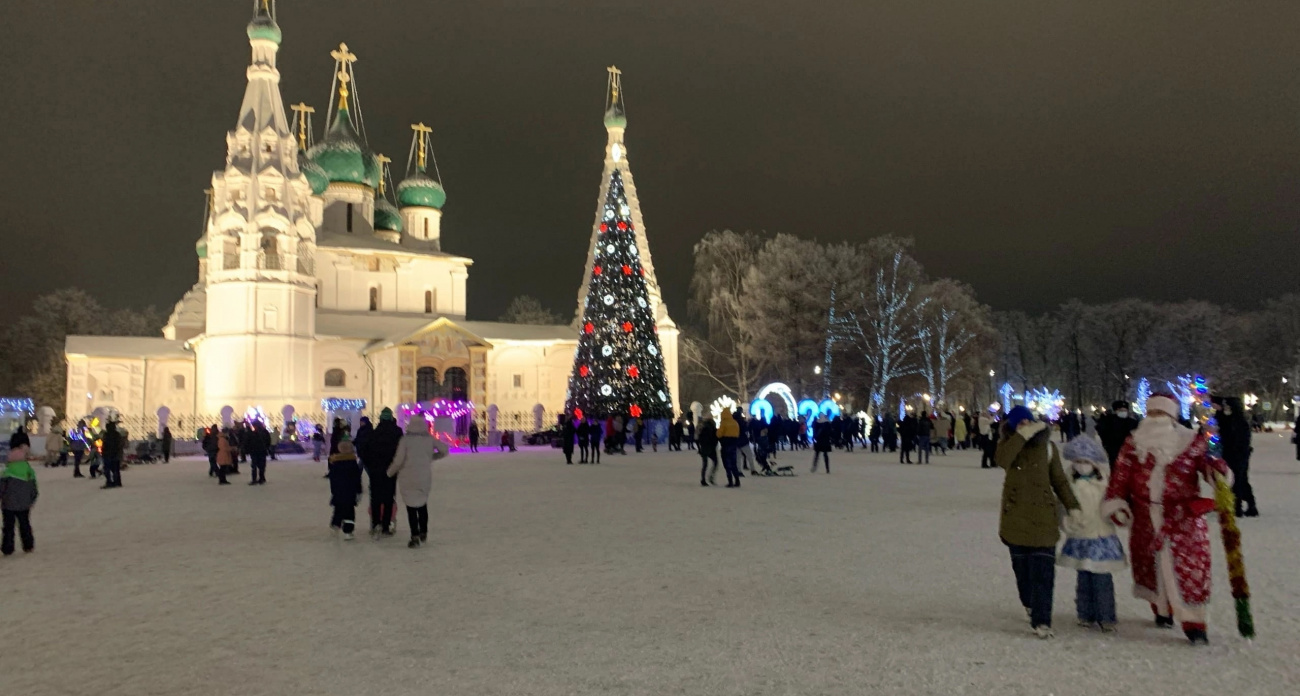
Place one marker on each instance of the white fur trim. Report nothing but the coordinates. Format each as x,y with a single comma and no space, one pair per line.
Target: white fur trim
1028,430
1114,505
1164,404
1161,438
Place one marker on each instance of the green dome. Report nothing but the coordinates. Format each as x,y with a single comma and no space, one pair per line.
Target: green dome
315,174
419,190
201,248
264,27
387,217
342,156
615,118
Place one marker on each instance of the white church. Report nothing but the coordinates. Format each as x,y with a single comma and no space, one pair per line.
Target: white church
322,283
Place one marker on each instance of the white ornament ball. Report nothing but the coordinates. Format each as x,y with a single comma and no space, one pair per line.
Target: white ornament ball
607,351
609,299
606,389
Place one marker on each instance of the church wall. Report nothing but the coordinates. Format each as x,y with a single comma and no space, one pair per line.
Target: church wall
346,279
541,368
342,355
133,386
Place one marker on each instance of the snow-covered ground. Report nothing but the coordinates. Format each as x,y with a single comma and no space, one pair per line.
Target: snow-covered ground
626,578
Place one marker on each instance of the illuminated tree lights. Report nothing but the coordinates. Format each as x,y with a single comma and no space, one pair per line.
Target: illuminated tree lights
618,368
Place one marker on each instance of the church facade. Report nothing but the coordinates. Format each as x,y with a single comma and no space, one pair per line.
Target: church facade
321,282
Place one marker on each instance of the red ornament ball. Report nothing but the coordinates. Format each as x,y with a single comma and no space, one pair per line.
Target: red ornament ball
627,327
604,227
595,270
588,327
633,371
584,370
627,270
635,411
622,225
577,413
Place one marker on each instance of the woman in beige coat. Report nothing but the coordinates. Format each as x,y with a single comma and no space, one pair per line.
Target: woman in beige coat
413,468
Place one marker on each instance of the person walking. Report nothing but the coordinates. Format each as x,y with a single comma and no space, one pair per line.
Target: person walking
167,445
78,448
1034,483
907,439
743,452
259,443
1093,548
708,449
728,436
112,447
1114,428
225,456
823,436
873,435
317,444
567,435
412,469
1234,439
925,437
345,489
18,493
584,439
209,443
889,434
594,430
473,436
53,446
989,444
381,446
689,432
273,434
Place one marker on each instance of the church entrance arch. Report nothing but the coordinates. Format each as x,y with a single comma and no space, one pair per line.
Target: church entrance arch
427,387
456,383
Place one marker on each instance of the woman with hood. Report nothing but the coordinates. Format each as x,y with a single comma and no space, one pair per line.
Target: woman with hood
708,441
1029,525
345,489
413,468
225,456
823,437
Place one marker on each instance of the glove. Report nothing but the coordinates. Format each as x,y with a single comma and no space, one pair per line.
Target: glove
1121,518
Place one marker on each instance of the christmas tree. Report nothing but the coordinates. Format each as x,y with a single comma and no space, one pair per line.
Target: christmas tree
619,367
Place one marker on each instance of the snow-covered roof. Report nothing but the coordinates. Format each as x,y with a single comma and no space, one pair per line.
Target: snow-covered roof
502,331
125,347
366,242
371,325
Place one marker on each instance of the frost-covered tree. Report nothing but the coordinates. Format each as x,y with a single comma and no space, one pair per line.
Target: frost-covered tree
883,314
727,352
526,309
949,324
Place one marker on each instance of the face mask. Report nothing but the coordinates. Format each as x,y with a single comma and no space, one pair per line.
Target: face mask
1122,413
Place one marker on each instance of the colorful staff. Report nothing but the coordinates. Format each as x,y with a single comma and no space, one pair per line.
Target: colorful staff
1225,503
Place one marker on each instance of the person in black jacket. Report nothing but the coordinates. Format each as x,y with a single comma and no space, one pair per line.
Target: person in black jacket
743,452
567,435
584,439
473,436
907,434
823,440
210,448
167,444
380,448
345,489
889,433
595,429
1114,429
1234,437
259,444
708,447
112,447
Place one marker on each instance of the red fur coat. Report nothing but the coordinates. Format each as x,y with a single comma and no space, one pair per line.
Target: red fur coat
1180,518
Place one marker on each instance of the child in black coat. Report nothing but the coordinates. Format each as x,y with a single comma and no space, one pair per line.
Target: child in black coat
345,488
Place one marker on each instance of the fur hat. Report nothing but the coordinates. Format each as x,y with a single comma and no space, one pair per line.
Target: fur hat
1084,448
386,414
1165,403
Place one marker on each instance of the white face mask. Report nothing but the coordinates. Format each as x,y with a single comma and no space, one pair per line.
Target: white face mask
1122,413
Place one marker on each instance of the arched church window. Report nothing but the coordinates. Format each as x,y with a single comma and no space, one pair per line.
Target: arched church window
270,251
374,299
456,384
426,384
428,302
335,378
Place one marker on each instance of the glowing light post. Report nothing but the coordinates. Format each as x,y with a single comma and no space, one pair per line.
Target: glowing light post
1006,391
1143,393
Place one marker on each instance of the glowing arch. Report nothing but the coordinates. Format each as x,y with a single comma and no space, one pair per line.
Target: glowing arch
722,402
760,404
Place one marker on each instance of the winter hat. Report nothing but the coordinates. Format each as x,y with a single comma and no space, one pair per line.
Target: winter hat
386,414
1118,405
1018,415
1165,403
1084,449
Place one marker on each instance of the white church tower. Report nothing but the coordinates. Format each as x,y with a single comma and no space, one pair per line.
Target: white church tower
261,236
616,159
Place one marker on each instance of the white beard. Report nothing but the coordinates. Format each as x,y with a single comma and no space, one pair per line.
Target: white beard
1162,438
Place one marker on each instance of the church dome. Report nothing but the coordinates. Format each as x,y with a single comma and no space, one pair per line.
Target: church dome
386,216
615,119
316,176
264,27
419,190
201,248
342,157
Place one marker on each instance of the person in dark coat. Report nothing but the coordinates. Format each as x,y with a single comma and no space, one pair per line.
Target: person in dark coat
823,440
381,446
259,444
210,437
1234,437
361,440
889,433
473,436
345,489
112,447
18,493
336,436
567,435
907,433
167,445
688,431
743,452
708,448
584,440
594,430
873,436
925,430
1114,429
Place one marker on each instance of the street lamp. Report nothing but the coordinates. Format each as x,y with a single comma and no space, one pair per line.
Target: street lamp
817,369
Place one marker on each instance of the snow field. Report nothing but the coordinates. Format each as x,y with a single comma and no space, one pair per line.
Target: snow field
623,578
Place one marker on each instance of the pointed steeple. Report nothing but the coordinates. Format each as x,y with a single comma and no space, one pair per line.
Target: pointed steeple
262,107
616,167
343,152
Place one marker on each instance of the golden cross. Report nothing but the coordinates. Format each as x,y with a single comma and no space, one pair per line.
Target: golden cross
344,58
382,161
614,82
421,132
302,110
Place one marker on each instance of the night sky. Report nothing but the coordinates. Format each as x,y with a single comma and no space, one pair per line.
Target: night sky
1037,150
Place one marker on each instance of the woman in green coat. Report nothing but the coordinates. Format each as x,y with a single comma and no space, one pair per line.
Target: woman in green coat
1034,490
